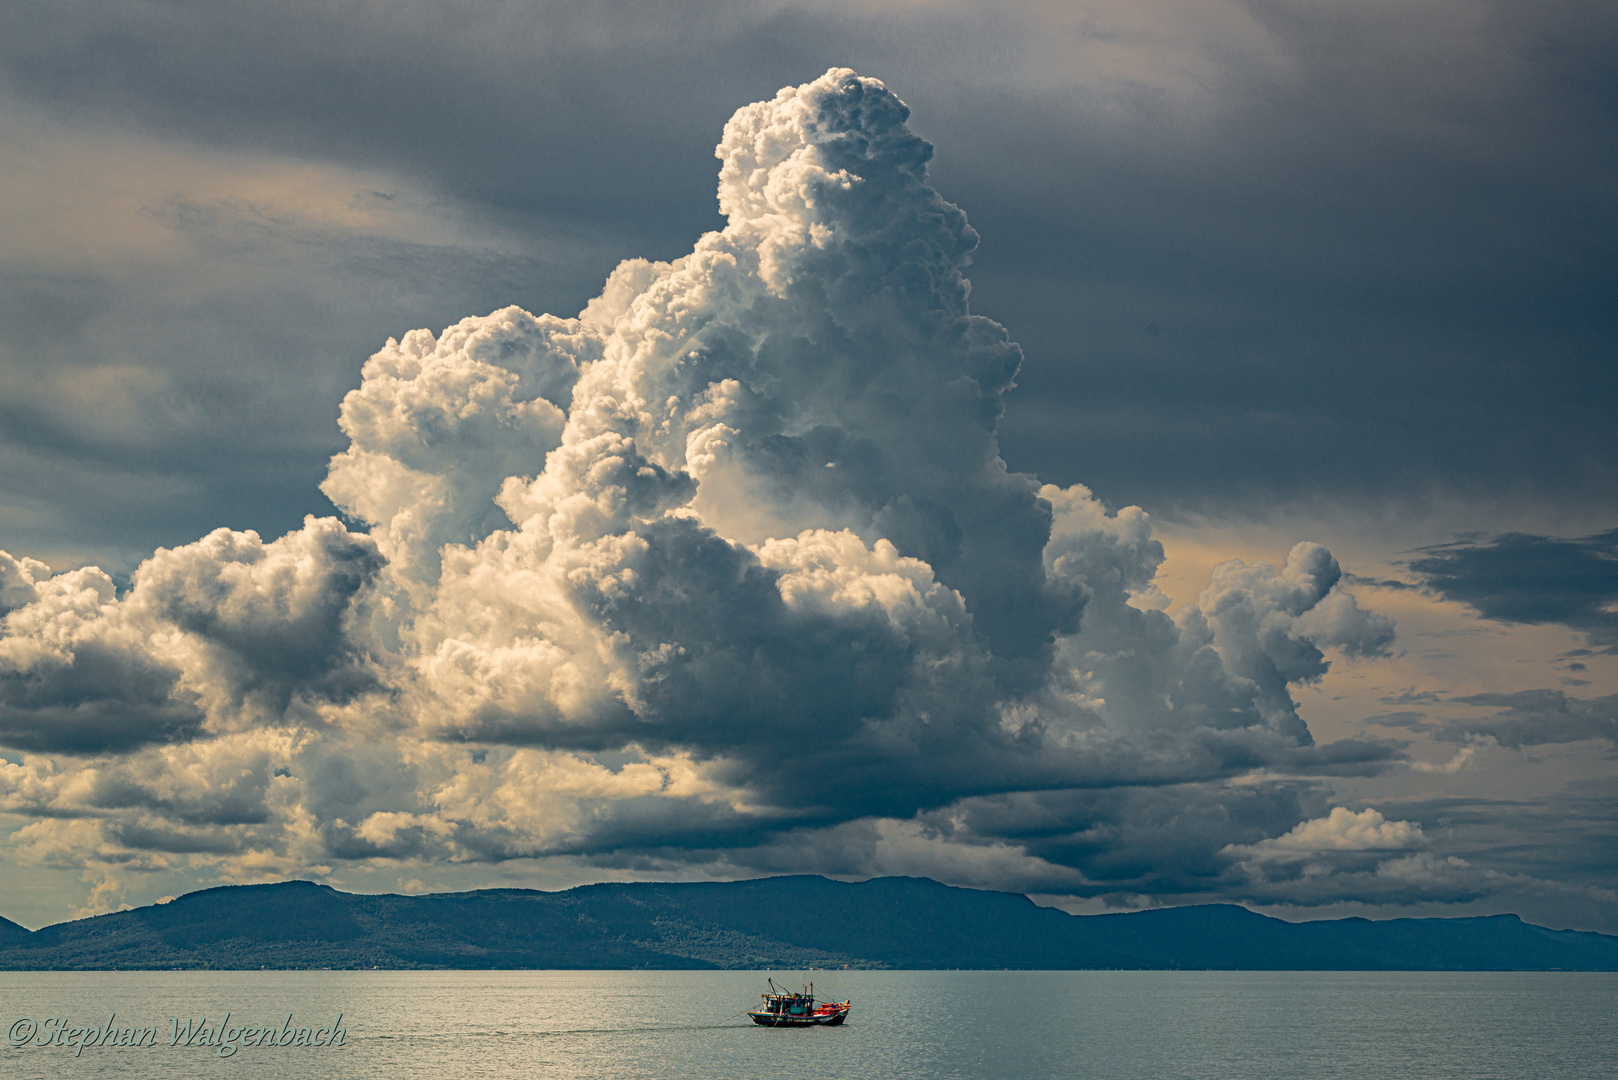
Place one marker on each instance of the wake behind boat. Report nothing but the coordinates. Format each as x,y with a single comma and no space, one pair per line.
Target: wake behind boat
784,1009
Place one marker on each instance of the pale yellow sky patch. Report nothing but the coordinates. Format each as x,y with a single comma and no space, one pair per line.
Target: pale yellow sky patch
73,200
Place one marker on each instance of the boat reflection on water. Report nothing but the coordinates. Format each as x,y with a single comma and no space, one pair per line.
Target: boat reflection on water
783,1008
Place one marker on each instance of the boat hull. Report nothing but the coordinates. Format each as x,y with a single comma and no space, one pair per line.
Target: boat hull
831,1018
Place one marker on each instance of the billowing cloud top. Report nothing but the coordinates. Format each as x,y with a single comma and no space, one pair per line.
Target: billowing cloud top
727,571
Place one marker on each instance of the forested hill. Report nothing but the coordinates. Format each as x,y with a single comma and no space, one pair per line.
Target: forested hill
782,923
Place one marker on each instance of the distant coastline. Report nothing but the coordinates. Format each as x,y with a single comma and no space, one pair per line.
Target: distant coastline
779,923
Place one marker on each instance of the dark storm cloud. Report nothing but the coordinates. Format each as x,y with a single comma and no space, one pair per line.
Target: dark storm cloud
1166,840
279,633
108,693
105,700
554,107
1259,275
1521,578
1377,583
1537,718
217,405
238,800
1359,237
227,629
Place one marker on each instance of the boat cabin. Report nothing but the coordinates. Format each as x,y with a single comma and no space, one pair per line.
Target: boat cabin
788,1004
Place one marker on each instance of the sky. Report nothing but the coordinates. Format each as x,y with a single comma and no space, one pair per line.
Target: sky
1128,454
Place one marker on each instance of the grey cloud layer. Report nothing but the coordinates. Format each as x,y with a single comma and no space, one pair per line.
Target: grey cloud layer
1532,579
1533,718
210,636
728,565
1253,242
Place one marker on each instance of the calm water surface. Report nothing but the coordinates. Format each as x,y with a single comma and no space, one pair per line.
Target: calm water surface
971,1024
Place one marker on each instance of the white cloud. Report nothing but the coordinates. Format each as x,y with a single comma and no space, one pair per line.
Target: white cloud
438,423
18,581
727,568
1353,857
1340,831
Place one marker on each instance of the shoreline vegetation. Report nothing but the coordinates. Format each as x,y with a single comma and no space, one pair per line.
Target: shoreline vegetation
781,923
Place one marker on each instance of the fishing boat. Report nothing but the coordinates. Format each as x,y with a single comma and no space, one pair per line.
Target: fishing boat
782,1008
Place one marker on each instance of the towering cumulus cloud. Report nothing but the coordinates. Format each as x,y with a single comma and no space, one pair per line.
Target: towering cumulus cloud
725,573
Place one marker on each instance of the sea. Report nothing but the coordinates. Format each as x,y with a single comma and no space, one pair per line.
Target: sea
982,1025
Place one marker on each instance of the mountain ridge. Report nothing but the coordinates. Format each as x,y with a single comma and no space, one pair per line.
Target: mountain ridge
778,923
